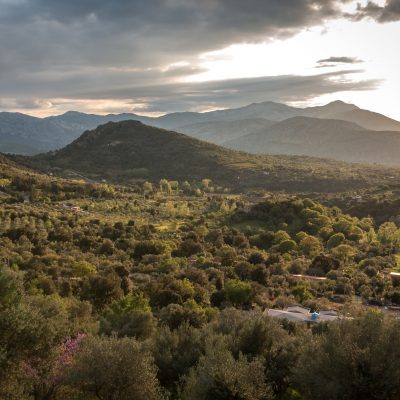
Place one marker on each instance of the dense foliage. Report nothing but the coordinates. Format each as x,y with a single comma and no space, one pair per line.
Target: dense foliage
158,291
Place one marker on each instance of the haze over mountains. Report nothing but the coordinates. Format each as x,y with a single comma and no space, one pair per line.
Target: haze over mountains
328,138
24,134
337,130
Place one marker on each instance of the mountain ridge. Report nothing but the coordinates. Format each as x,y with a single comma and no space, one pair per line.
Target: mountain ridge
326,138
31,135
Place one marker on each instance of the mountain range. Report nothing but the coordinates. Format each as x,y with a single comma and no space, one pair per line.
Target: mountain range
337,130
330,138
24,134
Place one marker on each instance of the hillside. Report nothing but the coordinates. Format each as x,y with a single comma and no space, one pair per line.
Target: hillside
219,132
130,151
369,120
316,137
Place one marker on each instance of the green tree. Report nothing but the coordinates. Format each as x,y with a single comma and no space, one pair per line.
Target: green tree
301,292
186,187
238,292
115,369
310,246
165,186
129,316
205,183
281,236
219,376
357,359
5,182
335,240
388,233
175,352
83,268
286,246
102,290
344,252
147,187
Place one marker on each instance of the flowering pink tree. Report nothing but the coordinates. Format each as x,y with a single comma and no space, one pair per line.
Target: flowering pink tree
46,375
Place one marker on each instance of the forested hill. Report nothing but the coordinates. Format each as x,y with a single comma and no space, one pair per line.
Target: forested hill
129,151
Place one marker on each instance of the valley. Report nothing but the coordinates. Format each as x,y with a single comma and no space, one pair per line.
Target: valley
199,200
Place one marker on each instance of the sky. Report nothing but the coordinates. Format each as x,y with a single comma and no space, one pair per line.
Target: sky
157,56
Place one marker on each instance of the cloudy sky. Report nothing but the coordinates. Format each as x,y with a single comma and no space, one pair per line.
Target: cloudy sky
158,56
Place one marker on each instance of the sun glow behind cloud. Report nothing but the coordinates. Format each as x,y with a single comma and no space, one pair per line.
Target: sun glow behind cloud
366,40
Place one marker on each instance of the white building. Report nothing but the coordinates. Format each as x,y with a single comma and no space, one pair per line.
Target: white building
302,314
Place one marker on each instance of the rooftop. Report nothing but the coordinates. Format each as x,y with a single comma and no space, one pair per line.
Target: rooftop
302,314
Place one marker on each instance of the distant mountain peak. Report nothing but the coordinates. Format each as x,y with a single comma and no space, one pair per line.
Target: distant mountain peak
338,102
72,112
338,106
342,104
269,104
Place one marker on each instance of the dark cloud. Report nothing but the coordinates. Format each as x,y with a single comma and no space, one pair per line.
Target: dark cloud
48,33
339,60
390,12
237,92
225,93
66,49
148,92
